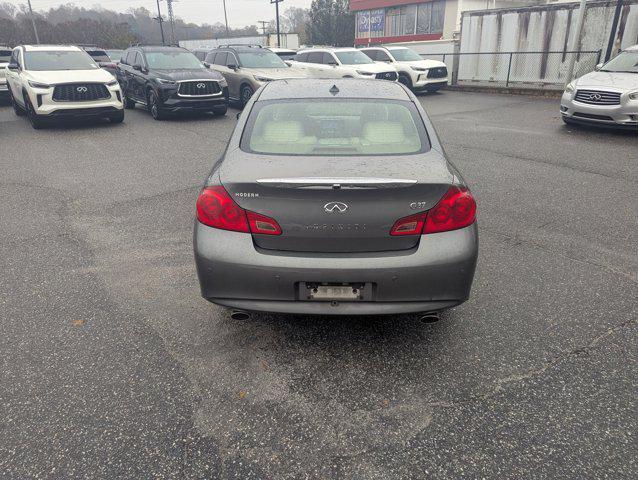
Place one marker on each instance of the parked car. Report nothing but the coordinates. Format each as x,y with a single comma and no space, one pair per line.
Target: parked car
170,79
5,56
248,67
416,73
201,53
607,96
283,53
341,63
101,58
335,197
57,81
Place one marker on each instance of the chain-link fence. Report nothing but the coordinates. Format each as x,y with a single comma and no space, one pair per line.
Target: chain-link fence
516,69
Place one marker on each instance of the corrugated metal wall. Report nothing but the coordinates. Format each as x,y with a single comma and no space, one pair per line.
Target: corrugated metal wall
547,28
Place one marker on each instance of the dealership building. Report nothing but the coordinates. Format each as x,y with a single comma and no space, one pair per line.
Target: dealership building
391,21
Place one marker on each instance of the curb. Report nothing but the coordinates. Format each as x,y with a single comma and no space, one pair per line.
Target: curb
512,91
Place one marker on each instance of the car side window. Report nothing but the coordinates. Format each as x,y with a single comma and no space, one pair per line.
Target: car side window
315,57
200,55
15,57
301,57
130,57
138,60
231,60
328,59
371,53
210,57
382,56
220,58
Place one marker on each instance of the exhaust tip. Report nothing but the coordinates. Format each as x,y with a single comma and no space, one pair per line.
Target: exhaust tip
430,317
239,315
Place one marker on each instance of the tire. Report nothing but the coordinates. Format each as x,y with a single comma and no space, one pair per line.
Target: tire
36,122
128,103
245,94
154,107
117,118
17,109
405,80
220,111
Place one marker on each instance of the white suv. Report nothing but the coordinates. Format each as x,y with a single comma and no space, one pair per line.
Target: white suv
5,55
50,81
341,63
414,72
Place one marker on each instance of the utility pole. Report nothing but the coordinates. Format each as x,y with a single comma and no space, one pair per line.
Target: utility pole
226,20
277,2
35,29
263,26
614,27
576,41
171,19
160,20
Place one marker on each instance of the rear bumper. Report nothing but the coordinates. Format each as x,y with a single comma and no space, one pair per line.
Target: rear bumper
438,274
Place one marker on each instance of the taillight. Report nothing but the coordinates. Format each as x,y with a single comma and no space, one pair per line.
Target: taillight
217,209
412,225
457,209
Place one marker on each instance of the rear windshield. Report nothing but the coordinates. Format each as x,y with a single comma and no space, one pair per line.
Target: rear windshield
5,56
50,60
316,127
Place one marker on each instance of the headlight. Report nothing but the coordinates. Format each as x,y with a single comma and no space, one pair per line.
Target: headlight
38,84
419,69
112,84
262,79
570,88
633,95
162,81
363,72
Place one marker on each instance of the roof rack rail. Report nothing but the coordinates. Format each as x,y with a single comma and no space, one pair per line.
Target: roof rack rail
248,45
155,45
86,45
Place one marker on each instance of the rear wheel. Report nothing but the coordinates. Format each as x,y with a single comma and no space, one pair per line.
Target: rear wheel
405,80
246,93
36,122
154,106
16,107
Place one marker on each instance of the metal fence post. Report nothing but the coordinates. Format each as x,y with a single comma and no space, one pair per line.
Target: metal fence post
509,69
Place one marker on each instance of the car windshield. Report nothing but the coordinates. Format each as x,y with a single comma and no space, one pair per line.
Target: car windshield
52,60
99,55
5,56
353,58
261,59
625,62
405,55
172,60
347,127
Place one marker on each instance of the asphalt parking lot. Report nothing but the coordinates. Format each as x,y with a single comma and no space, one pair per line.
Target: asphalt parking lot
112,366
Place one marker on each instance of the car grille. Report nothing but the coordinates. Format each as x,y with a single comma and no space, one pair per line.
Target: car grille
597,97
387,76
438,72
80,92
200,88
591,116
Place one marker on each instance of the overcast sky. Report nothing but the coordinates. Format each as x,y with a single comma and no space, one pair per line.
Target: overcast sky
240,12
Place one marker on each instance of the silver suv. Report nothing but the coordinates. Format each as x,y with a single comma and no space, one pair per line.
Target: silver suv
607,96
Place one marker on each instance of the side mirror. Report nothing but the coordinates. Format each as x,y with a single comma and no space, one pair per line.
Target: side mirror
137,67
233,67
206,65
599,66
13,66
288,62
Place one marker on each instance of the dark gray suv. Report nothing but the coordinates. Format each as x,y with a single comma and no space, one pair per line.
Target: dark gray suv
335,197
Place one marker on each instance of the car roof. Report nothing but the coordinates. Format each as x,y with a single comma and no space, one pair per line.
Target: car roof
348,88
44,48
159,48
329,49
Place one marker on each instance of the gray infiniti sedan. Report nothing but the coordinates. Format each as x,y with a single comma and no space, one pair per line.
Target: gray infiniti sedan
606,97
335,197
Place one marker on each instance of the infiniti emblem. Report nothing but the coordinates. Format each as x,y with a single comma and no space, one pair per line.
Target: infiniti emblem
201,85
595,96
335,207
82,89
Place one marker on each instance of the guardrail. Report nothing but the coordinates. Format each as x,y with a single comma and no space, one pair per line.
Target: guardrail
541,69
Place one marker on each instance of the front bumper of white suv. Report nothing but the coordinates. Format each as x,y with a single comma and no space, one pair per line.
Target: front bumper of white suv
75,99
601,106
